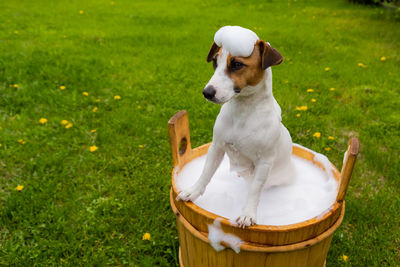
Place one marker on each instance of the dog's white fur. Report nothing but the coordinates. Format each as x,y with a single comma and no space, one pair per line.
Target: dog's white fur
249,130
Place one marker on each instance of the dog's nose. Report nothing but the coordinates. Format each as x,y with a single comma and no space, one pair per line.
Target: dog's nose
209,92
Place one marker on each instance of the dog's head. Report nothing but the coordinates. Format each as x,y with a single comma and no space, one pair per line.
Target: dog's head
234,72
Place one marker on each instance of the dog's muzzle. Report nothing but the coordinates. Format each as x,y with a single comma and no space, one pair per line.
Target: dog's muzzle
209,92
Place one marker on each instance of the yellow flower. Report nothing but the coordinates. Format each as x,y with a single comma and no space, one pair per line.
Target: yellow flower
332,89
310,90
95,109
327,69
93,148
383,58
85,93
0,145
19,188
146,236
141,146
21,141
63,122
331,137
16,32
317,134
93,131
345,258
69,125
117,97
286,81
362,65
139,107
81,12
313,100
301,108
327,149
43,120
98,100
16,85
62,87
298,115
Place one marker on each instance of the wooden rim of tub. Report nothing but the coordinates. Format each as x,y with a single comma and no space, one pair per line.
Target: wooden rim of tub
199,218
255,247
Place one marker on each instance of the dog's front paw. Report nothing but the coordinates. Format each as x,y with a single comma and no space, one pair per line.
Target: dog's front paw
190,194
246,220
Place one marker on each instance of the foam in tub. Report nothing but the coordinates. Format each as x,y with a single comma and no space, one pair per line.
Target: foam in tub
310,195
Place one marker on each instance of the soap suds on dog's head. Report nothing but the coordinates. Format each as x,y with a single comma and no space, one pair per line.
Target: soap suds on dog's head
236,40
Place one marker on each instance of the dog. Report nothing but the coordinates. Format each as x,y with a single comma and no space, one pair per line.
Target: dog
248,128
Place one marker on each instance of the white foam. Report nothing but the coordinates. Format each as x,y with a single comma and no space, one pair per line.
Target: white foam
310,195
216,235
236,40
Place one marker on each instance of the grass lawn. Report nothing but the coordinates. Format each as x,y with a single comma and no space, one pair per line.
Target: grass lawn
80,207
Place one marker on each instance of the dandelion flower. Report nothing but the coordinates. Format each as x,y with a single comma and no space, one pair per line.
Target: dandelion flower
146,236
383,58
43,120
21,141
81,12
298,115
0,145
301,108
362,65
93,148
327,149
95,109
141,146
117,97
139,107
63,122
317,134
16,85
310,90
69,125
345,258
85,93
331,137
327,69
332,89
19,188
98,100
93,131
313,100
62,87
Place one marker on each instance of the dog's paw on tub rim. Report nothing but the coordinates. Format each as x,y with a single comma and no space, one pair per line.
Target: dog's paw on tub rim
244,221
189,194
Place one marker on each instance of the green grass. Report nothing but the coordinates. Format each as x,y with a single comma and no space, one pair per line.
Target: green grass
92,208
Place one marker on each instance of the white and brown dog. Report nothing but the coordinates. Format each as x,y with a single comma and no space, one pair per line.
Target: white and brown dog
248,128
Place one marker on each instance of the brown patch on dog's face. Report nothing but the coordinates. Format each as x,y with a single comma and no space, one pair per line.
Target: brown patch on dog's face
245,71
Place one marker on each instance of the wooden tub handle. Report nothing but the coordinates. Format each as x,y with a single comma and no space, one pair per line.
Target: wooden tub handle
347,168
179,138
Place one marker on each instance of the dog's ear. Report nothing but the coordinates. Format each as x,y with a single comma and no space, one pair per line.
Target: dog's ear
213,50
269,55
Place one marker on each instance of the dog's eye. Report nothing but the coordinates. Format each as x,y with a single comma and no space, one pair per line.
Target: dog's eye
215,65
236,65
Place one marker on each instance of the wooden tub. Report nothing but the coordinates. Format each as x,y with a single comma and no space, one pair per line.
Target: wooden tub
301,244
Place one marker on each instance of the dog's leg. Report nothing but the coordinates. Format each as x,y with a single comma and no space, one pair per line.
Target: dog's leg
249,215
214,158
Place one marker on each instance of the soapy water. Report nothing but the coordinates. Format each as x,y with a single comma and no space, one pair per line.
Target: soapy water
311,194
